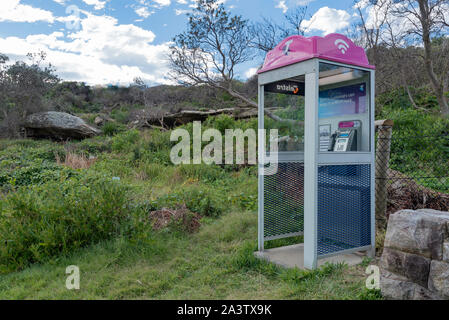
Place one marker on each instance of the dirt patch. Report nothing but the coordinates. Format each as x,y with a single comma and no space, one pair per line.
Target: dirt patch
181,217
405,193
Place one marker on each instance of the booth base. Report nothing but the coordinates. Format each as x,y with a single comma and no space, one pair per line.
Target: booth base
293,256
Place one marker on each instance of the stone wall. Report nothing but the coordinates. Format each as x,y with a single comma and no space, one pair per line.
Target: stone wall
415,261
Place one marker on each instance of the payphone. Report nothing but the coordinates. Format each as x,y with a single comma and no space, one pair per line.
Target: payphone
321,92
342,113
347,137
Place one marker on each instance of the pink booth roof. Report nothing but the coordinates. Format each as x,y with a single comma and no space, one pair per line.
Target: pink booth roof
333,47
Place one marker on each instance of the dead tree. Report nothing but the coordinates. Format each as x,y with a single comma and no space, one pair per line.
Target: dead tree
423,20
208,53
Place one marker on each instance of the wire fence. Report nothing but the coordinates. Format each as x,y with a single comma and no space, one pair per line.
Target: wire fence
412,171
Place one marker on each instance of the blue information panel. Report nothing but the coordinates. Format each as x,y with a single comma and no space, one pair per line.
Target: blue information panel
342,101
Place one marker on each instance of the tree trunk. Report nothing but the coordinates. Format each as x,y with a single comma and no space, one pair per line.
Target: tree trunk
436,83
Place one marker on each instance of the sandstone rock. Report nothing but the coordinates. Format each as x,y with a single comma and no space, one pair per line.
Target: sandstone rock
439,278
58,125
99,121
396,287
420,232
412,267
446,251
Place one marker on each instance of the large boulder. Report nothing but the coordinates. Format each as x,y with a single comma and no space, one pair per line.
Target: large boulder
439,278
420,232
413,267
58,125
397,287
415,259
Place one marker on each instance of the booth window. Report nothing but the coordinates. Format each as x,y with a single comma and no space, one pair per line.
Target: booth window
285,99
344,109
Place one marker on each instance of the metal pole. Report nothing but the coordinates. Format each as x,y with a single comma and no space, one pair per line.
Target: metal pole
311,169
261,151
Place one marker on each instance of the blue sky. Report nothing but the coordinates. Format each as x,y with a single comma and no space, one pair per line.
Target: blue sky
113,41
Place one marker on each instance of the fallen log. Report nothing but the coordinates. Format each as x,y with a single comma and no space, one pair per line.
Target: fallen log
146,118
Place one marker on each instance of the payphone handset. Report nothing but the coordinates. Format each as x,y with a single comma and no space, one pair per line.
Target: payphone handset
347,137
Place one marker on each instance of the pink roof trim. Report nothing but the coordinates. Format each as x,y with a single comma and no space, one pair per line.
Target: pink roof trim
333,47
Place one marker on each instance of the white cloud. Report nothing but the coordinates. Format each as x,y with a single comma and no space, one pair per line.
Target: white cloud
13,10
143,12
362,4
250,72
98,4
178,12
102,52
303,2
162,3
327,20
282,5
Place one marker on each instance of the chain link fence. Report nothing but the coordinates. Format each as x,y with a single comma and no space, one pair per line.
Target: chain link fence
412,170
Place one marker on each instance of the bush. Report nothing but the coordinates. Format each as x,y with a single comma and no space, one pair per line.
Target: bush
39,222
95,145
125,142
201,202
112,128
36,173
196,200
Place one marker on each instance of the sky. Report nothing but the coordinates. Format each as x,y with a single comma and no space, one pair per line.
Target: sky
104,42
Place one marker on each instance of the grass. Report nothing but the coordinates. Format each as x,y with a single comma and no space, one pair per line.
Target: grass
216,263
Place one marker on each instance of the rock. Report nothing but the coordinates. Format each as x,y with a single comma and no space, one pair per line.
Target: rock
412,267
396,287
58,125
420,232
99,121
446,251
439,278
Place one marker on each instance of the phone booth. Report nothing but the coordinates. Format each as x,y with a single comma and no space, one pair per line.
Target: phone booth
319,94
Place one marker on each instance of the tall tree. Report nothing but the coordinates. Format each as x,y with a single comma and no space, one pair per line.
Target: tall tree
268,33
213,45
23,88
424,20
208,53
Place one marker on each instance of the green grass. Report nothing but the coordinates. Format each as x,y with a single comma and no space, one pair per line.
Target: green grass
216,263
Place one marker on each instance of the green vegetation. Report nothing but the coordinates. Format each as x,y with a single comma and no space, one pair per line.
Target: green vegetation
420,144
98,218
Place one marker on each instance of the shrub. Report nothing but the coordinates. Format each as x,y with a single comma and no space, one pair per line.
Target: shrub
94,145
201,201
125,142
112,128
196,200
158,140
39,222
120,115
36,173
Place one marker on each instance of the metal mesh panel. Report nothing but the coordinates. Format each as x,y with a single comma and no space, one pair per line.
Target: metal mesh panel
343,207
284,200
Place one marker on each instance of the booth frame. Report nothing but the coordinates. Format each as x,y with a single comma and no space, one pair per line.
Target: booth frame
313,158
